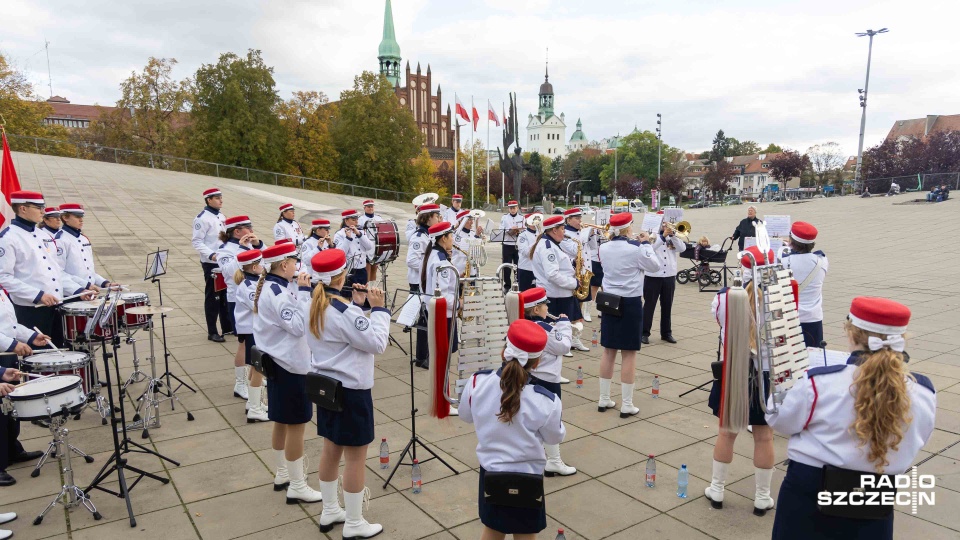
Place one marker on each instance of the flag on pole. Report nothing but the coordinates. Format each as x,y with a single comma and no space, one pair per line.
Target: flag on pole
8,183
461,111
492,115
476,116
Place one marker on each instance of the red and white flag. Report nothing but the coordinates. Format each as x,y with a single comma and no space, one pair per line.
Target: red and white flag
492,115
461,111
476,115
8,183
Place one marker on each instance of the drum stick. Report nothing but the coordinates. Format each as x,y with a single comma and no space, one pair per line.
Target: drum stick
35,378
49,342
65,298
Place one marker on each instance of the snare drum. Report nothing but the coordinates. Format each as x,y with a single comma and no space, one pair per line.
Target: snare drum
68,363
386,241
219,284
127,301
43,398
75,316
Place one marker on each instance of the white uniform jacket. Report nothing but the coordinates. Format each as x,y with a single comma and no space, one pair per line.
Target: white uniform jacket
311,246
356,248
593,241
558,344
75,256
524,242
243,295
668,257
446,279
28,265
811,297
517,446
348,343
51,232
411,228
569,244
416,246
227,261
462,240
508,222
365,217
11,332
553,269
625,262
288,228
450,214
280,324
207,227
817,414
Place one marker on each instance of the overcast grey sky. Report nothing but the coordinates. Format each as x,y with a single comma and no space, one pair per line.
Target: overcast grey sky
769,71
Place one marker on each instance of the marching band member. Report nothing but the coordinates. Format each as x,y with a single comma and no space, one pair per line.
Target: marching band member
437,257
547,372
207,227
355,244
427,216
343,342
74,252
368,216
456,206
554,272
319,240
287,225
810,270
427,198
246,277
525,241
870,415
573,231
662,284
625,261
513,421
512,224
279,330
733,310
593,241
29,271
461,240
51,221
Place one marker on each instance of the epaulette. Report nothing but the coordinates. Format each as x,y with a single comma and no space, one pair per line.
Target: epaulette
200,214
722,290
484,372
340,306
59,233
541,390
276,289
924,381
820,253
4,231
545,325
823,370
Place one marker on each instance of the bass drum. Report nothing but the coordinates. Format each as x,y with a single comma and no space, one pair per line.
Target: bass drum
386,242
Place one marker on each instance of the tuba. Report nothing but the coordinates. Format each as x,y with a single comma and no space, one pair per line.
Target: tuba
582,273
683,230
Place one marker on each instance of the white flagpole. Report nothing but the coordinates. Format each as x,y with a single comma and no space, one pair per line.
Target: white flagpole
487,154
456,139
473,152
503,176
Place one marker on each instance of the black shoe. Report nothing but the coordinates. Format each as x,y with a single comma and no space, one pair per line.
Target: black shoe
668,338
216,337
645,340
23,457
230,333
424,364
6,479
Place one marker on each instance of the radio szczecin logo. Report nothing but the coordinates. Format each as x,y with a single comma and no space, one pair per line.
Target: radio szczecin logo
912,490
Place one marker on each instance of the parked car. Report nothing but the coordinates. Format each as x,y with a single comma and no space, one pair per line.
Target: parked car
732,201
587,209
699,204
559,209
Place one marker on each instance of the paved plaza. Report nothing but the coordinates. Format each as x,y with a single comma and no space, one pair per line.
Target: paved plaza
222,488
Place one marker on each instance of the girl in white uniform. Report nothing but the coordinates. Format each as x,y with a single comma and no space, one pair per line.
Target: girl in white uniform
437,271
513,421
279,329
810,270
427,216
246,278
287,225
870,415
343,342
355,244
525,241
318,241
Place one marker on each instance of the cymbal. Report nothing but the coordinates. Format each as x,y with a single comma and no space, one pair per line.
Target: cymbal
148,310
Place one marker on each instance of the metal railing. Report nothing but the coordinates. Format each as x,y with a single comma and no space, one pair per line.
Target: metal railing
914,183
94,152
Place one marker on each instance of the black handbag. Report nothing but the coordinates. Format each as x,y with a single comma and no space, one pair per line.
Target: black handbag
609,304
837,480
325,392
262,362
516,490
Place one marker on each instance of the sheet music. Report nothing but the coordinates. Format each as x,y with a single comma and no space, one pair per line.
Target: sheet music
498,235
673,215
602,217
833,358
777,225
410,311
651,222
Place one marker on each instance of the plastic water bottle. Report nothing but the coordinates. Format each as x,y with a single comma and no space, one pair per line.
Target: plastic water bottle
595,340
656,386
579,376
415,478
651,478
560,535
683,478
384,454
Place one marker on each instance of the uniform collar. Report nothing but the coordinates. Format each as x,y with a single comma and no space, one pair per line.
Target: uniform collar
249,275
858,357
289,221
466,230
277,279
369,216
534,231
233,241
213,211
71,230
314,235
570,228
28,226
331,290
441,254
52,230
421,229
535,318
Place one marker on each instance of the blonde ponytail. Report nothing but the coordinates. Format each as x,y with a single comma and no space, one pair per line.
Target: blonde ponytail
735,395
256,296
534,248
318,307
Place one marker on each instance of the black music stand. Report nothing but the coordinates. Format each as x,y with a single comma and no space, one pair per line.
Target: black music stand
117,462
156,267
383,280
411,447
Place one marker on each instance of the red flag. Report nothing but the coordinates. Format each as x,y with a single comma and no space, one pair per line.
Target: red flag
492,115
461,111
476,117
8,183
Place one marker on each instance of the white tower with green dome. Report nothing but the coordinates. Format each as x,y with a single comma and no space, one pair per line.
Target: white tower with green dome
389,53
578,141
547,132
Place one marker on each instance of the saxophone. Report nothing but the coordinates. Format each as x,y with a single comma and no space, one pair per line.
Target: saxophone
582,274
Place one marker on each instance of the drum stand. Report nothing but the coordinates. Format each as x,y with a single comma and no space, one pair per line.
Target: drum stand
58,446
137,375
70,496
152,396
170,392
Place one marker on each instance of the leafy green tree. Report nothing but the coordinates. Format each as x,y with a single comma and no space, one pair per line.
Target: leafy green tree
637,156
772,149
721,147
235,113
556,183
376,138
743,148
310,152
476,155
23,111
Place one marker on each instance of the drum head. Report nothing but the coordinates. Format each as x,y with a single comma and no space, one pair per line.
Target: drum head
80,308
56,362
133,297
49,386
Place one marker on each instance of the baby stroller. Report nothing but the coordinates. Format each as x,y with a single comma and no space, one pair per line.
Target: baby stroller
700,259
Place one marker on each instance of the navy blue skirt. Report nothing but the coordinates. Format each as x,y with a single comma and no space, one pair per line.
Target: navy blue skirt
623,333
757,418
551,386
567,305
525,279
509,520
287,393
812,333
798,517
353,426
357,276
233,321
597,279
248,343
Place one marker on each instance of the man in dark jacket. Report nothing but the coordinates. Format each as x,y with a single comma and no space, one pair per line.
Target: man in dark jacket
747,226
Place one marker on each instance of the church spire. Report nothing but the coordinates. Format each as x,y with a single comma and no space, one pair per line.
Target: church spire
546,94
389,52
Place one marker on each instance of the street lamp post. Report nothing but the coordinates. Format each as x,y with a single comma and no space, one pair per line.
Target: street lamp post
857,180
616,145
572,182
659,147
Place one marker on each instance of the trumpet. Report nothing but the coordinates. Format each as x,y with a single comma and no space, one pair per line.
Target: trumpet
605,229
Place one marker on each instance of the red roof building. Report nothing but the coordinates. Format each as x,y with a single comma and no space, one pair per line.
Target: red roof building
921,127
71,115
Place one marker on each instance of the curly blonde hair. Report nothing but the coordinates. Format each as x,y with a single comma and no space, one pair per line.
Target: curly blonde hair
881,404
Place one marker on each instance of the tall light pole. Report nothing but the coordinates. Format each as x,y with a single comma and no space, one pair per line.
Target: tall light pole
659,147
857,181
613,203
